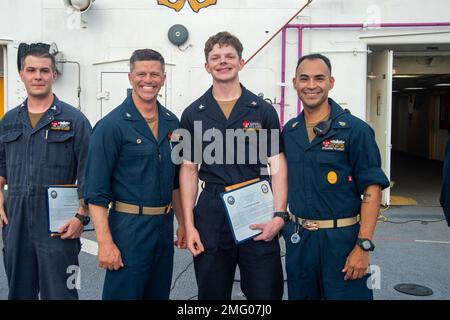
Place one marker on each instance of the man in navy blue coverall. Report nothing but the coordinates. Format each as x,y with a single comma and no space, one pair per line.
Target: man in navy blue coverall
130,167
333,160
43,142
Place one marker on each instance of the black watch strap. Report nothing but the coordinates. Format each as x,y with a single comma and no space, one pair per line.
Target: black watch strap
282,214
84,219
365,244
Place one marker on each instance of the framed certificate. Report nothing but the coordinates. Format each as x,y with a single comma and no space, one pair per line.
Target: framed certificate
63,204
247,205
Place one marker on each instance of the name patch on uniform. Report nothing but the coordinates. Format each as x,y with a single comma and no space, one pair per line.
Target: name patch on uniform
60,125
247,125
333,145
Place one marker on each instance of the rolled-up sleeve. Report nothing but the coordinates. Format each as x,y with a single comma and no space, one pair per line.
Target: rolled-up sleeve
365,159
2,152
187,134
81,146
274,139
104,149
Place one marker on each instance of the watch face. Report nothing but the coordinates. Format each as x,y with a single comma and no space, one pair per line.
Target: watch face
366,245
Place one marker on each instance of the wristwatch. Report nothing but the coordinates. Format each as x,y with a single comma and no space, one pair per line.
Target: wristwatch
84,219
282,214
365,244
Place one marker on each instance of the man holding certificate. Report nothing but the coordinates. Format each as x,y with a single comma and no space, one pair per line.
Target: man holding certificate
44,141
234,134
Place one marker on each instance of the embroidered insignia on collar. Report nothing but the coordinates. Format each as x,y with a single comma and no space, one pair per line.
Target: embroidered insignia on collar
294,124
253,103
201,107
168,114
342,123
60,125
128,115
55,108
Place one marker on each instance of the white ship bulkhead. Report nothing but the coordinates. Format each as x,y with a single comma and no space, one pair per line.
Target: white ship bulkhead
391,59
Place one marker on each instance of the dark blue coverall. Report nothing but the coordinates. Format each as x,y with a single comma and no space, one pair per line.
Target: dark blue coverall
31,159
127,164
259,261
349,151
445,191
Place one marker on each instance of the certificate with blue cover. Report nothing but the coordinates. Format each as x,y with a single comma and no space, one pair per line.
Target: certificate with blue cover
247,205
62,204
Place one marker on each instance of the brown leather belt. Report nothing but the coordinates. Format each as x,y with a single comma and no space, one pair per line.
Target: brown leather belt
313,225
135,209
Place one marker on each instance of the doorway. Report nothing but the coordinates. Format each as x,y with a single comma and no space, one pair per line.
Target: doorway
115,87
2,80
417,80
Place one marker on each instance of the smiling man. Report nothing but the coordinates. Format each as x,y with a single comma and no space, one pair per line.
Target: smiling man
333,160
228,107
43,142
129,167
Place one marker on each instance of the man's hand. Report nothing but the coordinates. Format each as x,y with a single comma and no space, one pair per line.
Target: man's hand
3,217
180,243
109,256
72,229
193,241
269,229
357,264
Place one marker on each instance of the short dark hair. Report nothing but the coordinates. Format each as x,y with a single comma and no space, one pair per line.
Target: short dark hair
38,53
223,38
314,56
146,55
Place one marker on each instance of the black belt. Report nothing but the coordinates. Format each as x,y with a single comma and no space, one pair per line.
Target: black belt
214,188
26,190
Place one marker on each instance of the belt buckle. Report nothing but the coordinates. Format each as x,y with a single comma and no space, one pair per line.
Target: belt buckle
310,225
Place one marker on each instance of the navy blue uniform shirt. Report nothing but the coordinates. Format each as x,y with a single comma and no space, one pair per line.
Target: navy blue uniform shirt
328,176
54,152
126,163
250,114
